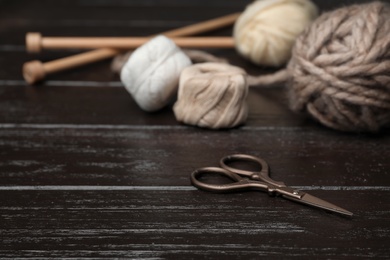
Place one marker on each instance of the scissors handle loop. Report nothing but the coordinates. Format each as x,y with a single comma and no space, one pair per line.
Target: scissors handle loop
238,184
262,175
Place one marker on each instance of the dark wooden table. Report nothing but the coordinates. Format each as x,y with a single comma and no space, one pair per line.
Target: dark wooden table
85,173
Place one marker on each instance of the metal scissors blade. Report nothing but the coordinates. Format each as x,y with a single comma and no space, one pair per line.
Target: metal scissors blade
258,180
319,203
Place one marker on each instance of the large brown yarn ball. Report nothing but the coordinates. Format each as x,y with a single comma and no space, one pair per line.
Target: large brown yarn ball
340,69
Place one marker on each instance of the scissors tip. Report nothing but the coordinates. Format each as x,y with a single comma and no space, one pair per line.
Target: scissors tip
341,211
319,203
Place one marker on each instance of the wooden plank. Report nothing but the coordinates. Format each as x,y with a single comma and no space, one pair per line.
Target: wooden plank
83,91
81,102
188,224
119,18
93,20
166,155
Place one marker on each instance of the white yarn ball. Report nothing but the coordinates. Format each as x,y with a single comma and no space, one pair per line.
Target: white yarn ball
212,95
266,31
152,73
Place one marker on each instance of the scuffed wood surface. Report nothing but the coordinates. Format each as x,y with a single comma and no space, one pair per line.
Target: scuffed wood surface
85,173
166,155
187,224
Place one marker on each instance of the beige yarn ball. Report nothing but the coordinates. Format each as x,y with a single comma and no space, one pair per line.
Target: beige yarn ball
152,72
212,95
267,29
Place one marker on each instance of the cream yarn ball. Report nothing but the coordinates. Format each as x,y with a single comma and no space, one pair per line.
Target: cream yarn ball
152,72
265,32
212,95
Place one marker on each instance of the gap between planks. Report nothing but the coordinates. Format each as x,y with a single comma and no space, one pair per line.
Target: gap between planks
168,188
131,127
65,83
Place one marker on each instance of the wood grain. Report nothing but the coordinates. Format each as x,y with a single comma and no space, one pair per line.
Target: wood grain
84,173
166,155
188,224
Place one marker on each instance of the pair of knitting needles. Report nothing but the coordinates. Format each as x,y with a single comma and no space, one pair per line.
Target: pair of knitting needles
35,71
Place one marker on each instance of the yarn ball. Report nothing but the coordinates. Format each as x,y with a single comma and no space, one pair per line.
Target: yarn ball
340,69
152,72
265,32
212,95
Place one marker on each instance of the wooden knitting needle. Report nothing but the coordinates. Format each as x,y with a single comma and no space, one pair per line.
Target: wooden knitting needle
36,43
34,71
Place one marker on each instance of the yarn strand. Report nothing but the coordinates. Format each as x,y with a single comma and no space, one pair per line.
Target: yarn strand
196,56
278,78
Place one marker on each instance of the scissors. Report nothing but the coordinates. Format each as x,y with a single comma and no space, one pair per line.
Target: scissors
257,180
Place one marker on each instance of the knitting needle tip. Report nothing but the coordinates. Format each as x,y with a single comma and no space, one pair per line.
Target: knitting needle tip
33,71
33,42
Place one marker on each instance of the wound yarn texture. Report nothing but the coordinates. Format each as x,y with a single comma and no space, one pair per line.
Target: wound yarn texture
265,32
212,95
340,69
339,72
152,72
